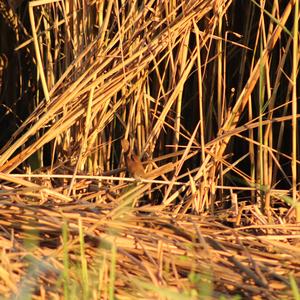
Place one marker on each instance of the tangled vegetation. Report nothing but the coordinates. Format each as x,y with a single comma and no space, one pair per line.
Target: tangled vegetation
205,95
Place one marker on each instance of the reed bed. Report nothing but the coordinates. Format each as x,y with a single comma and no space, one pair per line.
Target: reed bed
205,92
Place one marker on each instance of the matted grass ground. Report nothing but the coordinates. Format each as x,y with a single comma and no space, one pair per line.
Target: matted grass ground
110,250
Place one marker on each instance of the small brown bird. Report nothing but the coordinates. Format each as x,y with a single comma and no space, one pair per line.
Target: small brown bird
132,161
